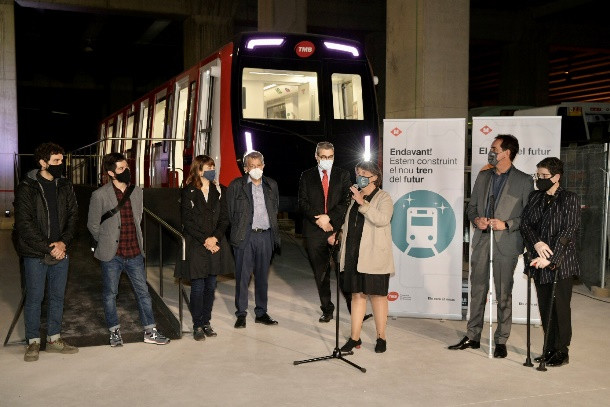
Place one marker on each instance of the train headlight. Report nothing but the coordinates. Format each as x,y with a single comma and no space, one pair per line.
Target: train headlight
248,142
367,148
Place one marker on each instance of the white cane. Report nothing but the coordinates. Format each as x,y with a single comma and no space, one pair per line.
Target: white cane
492,204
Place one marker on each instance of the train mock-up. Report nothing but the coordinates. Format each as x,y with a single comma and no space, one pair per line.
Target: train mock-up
277,93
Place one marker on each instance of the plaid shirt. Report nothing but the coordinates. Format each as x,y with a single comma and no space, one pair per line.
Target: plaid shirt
128,240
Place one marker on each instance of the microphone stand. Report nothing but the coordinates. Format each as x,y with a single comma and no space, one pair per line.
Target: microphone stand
337,353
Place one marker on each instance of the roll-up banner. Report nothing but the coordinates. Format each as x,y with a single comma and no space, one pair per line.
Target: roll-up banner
539,137
423,171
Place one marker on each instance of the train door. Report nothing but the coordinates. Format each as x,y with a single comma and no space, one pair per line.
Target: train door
108,137
208,123
181,110
159,156
189,128
117,145
143,160
128,145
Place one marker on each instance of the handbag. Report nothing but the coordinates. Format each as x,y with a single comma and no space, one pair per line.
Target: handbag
112,212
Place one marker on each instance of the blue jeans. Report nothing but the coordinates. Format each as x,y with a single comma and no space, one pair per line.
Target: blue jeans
36,274
202,300
111,275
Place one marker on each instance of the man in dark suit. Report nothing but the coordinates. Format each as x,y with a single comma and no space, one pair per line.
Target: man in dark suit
498,197
323,199
253,202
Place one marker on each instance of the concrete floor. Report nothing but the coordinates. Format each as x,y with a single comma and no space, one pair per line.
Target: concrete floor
254,366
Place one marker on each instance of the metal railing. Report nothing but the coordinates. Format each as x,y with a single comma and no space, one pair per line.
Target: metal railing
164,225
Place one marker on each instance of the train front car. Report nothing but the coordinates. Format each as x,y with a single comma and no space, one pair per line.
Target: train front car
291,91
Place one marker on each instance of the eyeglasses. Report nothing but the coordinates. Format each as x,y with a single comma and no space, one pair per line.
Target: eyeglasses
542,176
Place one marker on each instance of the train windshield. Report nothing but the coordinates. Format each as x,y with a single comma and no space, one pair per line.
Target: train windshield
347,96
280,94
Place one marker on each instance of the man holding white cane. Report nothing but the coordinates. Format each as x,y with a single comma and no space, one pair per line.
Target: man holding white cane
499,195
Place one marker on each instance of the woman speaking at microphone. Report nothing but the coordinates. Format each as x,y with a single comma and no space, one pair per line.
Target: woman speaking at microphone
549,225
366,253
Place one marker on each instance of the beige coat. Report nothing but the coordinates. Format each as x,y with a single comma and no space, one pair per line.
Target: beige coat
375,254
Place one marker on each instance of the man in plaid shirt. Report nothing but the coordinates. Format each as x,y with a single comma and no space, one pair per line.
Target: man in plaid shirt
120,247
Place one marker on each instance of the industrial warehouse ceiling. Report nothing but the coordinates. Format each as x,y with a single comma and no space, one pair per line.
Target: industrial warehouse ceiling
74,68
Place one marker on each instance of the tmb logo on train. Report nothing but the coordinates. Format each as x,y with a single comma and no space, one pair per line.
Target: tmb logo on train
392,296
305,49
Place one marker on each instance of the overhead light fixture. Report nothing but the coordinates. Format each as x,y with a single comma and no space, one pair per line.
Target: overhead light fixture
342,47
264,42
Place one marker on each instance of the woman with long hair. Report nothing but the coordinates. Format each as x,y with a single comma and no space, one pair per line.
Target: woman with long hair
204,221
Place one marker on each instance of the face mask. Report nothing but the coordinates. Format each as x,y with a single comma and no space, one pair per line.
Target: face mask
124,177
256,173
362,181
56,170
326,164
209,175
544,184
492,158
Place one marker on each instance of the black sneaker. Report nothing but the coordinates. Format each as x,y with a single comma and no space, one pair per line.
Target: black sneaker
199,335
208,331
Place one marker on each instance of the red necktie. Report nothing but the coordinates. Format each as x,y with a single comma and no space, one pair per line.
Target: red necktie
325,188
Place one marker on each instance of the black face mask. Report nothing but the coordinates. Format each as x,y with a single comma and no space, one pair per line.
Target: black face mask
544,184
124,177
56,170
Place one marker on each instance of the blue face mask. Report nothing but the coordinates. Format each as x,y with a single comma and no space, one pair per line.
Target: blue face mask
362,181
210,175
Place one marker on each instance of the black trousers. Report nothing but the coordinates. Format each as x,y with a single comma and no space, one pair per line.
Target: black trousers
318,251
560,332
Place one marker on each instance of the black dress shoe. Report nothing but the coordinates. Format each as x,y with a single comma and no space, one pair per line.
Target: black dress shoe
351,344
241,322
367,316
500,351
326,317
265,319
558,359
465,343
547,356
380,347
